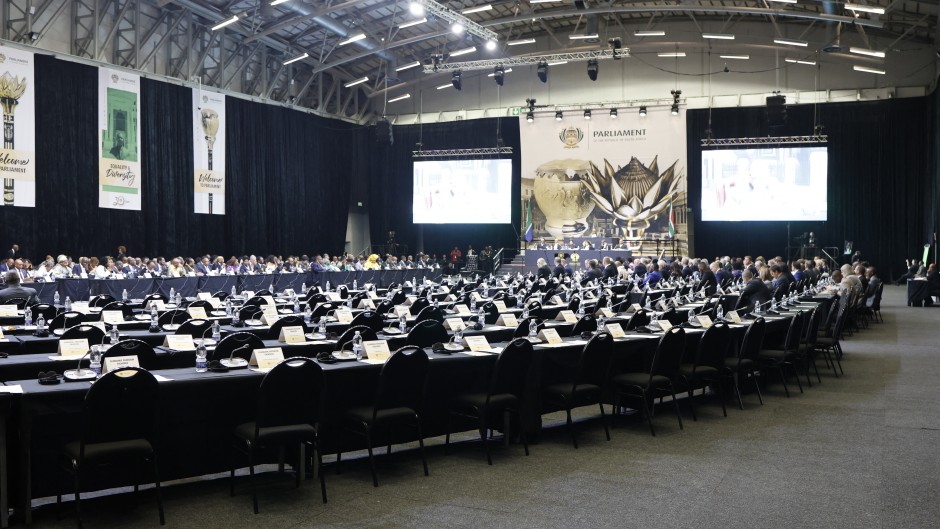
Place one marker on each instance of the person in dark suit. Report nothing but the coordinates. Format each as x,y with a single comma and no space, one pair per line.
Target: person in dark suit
782,278
933,280
559,270
14,290
593,273
639,268
721,275
755,292
610,269
707,280
202,267
654,276
568,271
913,267
544,272
13,252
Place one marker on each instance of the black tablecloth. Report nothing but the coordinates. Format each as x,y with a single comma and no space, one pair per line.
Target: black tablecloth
917,292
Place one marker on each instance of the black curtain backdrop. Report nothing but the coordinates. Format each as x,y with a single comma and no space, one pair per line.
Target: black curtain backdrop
391,185
287,190
882,167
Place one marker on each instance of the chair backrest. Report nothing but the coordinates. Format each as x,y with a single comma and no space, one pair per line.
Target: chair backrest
197,328
343,291
369,318
512,368
244,342
101,300
347,337
125,309
574,303
220,295
668,354
639,319
594,364
66,320
256,300
522,330
753,339
812,328
384,307
427,333
19,302
535,308
286,321
876,303
402,380
587,323
290,394
90,332
155,295
831,316
430,313
636,297
491,313
418,305
177,316
146,357
323,309
794,332
399,297
49,312
673,317
202,303
130,394
713,346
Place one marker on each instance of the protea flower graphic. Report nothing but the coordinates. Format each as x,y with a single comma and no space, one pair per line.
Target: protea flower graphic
209,119
11,90
633,194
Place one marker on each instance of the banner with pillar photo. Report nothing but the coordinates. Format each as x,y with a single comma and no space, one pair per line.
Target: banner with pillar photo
617,178
119,140
209,152
18,100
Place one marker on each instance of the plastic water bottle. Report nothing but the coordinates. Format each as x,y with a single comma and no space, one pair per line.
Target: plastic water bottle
94,361
414,281
307,314
201,364
720,312
403,322
235,317
303,288
216,331
601,321
153,312
271,289
228,307
296,304
580,309
525,312
512,291
40,322
647,306
55,298
115,335
124,295
481,316
328,287
357,345
27,317
172,294
349,302
486,290
178,300
533,328
234,292
68,303
321,328
355,285
473,304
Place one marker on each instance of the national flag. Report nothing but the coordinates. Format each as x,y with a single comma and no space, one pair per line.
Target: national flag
672,221
528,222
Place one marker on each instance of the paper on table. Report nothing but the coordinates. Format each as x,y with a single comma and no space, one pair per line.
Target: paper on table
161,378
15,388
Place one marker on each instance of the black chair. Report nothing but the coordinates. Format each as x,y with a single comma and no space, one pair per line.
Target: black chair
49,312
427,333
708,364
256,300
287,321
574,303
535,309
370,318
289,401
830,345
587,323
19,302
130,394
788,355
347,337
220,295
126,311
101,300
745,363
640,318
491,313
93,334
673,317
175,316
239,343
590,381
323,309
343,291
146,356
522,330
418,305
154,296
384,307
430,313
808,344
197,328
504,395
66,320
661,379
399,297
202,303
398,399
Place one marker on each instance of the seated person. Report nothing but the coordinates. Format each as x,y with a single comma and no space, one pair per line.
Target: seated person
559,270
653,277
755,292
14,290
593,273
544,272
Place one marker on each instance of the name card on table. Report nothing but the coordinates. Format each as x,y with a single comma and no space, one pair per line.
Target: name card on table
215,302
269,314
661,305
507,320
198,313
664,325
399,310
500,305
454,323
150,303
248,293
705,320
462,309
203,296
292,334
76,347
376,351
550,336
288,292
450,297
615,330
567,316
366,304
564,287
343,315
119,362
82,306
555,300
476,296
268,299
605,311
179,342
334,296
266,358
112,316
477,343
372,295
409,300
8,310
634,308
733,316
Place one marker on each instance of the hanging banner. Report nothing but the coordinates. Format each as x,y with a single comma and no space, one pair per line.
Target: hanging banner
617,180
18,100
119,156
209,152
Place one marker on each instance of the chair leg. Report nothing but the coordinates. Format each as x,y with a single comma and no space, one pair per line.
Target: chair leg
375,476
316,448
486,443
78,497
648,403
675,402
604,420
339,451
251,474
574,439
391,433
231,475
691,404
797,375
757,388
783,379
300,465
156,485
424,460
450,417
522,437
721,395
735,378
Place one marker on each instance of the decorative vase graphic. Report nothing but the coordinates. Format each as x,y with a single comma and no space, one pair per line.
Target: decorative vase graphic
11,90
564,201
209,119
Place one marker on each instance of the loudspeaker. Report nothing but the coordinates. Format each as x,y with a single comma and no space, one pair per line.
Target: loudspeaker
776,111
383,133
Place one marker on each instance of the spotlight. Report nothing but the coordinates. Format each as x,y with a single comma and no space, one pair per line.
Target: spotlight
559,115
498,75
456,79
643,112
675,109
592,69
530,102
613,113
587,114
491,45
530,117
416,9
616,44
675,101
457,28
542,71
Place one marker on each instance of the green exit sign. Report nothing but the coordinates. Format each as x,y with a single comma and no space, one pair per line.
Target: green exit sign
515,111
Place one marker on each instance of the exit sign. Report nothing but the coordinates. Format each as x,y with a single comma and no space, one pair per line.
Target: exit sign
515,111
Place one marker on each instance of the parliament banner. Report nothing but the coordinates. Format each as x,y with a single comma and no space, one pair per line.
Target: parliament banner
119,141
620,177
209,152
18,100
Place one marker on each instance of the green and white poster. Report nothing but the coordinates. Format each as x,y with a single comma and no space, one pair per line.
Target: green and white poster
209,152
119,140
18,101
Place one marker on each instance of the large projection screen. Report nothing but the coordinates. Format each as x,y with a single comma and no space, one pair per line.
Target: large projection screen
462,192
775,183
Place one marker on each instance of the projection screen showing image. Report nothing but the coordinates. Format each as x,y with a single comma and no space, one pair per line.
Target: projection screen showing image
462,192
779,183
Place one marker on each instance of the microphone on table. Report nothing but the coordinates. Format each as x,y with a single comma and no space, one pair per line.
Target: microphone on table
80,374
202,339
759,307
233,362
169,326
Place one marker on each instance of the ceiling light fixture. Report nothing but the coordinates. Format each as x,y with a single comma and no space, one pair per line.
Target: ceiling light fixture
542,71
278,2
720,36
672,54
583,37
399,98
498,75
736,57
507,70
592,69
783,1
789,42
416,9
491,45
352,39
412,23
443,86
649,33
587,114
556,63
878,10
866,51
407,66
477,9
457,28
221,25
464,51
457,80
530,117
295,59
801,61
520,42
642,111
357,81
559,116
613,113
866,69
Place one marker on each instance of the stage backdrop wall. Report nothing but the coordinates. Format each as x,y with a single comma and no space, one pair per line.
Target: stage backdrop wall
616,176
881,180
287,186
